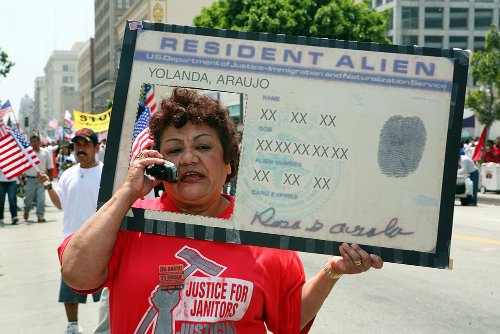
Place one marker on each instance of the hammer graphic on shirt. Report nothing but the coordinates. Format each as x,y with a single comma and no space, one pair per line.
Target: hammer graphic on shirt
165,301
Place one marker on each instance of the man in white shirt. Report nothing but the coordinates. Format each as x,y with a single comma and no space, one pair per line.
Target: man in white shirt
32,187
467,166
77,194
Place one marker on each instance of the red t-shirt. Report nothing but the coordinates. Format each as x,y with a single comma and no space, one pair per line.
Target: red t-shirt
228,288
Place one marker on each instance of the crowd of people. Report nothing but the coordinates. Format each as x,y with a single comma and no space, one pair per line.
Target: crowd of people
77,165
54,160
467,166
490,154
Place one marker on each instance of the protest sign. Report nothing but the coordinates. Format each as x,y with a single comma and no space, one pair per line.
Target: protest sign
342,141
96,122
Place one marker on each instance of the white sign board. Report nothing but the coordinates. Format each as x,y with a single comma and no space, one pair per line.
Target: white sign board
342,141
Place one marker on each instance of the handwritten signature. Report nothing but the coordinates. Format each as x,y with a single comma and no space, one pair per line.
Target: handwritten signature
391,230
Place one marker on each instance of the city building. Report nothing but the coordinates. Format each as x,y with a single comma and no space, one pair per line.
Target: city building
161,11
440,23
107,46
61,75
84,77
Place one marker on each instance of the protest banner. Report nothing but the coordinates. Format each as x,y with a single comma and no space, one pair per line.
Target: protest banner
342,141
96,122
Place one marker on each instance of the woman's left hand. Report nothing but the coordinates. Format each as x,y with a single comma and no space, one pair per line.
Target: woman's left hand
354,260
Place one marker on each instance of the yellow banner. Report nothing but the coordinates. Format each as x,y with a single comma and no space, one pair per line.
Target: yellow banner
96,122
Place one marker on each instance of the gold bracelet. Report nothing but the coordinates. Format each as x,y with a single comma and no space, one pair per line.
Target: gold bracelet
328,271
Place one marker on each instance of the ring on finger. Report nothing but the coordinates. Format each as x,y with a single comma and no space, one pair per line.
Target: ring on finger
358,263
140,156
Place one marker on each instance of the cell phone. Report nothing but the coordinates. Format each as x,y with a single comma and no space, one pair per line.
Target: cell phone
167,171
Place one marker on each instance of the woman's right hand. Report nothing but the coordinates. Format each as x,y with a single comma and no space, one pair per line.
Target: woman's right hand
136,180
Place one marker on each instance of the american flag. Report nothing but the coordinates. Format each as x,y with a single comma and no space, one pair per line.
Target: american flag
53,123
149,94
141,139
5,109
68,119
16,154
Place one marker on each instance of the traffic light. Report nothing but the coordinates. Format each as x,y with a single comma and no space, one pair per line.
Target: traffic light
26,122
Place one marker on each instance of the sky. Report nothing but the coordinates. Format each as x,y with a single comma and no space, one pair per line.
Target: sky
30,31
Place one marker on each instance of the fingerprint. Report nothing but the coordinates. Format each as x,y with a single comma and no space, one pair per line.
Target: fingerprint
401,144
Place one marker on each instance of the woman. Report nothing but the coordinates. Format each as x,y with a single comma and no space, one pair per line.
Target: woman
224,288
64,160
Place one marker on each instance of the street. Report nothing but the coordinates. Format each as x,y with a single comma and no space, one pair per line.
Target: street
396,299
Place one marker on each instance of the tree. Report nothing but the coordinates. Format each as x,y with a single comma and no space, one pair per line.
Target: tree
5,64
486,72
340,19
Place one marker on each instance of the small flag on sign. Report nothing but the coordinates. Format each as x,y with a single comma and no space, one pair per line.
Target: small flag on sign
149,93
141,139
135,25
16,154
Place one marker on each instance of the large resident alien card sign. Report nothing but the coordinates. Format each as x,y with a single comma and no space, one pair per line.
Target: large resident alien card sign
341,141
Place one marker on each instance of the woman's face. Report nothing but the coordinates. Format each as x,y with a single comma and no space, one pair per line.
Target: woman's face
197,152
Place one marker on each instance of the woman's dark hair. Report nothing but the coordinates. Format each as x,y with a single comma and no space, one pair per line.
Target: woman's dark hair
186,105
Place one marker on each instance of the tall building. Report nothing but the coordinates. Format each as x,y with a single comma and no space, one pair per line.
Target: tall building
61,75
86,77
161,11
40,115
27,110
110,18
441,24
107,12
